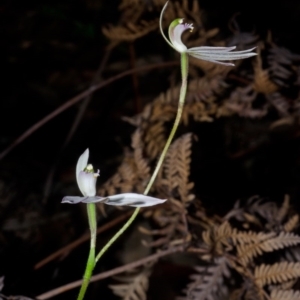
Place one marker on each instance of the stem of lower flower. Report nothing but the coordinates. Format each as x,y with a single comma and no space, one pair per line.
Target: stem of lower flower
91,211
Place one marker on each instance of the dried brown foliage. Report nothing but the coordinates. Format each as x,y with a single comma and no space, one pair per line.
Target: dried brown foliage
133,286
253,251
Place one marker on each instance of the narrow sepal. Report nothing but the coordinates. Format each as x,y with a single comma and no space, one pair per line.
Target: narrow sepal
219,54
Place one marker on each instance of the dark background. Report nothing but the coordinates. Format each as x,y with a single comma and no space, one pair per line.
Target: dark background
51,51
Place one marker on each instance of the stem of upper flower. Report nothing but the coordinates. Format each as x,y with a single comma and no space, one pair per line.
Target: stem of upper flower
91,211
184,74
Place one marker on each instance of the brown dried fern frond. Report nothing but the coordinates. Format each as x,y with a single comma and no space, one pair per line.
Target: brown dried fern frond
208,284
254,294
176,170
247,252
125,178
241,102
274,216
288,285
173,183
154,136
223,237
132,286
129,31
276,273
262,83
134,23
265,215
199,105
282,65
217,237
164,107
248,291
150,137
142,165
283,210
248,244
291,224
285,295
173,225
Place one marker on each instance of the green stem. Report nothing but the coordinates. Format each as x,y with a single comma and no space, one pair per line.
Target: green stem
184,73
91,211
119,233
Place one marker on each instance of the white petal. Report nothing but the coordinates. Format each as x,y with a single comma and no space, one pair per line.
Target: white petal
217,54
210,48
132,199
82,163
87,183
214,61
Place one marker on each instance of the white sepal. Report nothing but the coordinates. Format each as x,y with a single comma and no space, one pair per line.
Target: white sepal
81,165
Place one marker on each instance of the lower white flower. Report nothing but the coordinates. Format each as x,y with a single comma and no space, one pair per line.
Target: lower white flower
86,180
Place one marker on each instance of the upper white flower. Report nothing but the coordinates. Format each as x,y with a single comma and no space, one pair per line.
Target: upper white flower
86,180
212,54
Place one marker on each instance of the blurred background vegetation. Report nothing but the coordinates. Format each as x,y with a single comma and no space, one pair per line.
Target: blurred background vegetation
53,51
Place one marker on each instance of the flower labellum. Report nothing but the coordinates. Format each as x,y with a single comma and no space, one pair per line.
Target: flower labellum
86,180
213,54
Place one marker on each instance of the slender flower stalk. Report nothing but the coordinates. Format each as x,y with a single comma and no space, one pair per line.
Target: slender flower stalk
86,180
91,262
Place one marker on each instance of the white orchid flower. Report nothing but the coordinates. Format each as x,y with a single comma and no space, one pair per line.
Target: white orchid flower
213,54
86,180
